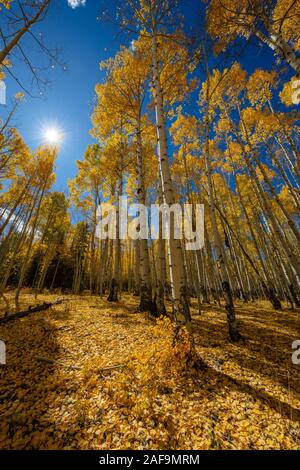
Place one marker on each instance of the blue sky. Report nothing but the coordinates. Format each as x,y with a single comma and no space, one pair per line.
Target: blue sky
68,101
84,41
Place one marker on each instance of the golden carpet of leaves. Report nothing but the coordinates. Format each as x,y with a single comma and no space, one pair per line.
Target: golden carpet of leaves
246,398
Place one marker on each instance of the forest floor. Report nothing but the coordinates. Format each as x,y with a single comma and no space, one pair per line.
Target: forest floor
246,398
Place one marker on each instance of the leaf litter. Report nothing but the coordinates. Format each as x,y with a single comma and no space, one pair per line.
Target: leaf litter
116,380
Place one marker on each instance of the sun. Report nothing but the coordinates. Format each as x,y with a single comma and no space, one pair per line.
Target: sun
53,136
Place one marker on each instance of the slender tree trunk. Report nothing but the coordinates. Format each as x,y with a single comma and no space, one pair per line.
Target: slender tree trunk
265,205
229,305
161,265
146,303
55,274
269,184
177,274
137,283
116,278
280,47
285,178
27,256
268,289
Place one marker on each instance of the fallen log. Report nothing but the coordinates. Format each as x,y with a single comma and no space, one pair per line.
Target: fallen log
38,308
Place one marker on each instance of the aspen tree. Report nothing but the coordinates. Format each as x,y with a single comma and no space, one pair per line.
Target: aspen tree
45,178
208,90
127,74
152,16
275,24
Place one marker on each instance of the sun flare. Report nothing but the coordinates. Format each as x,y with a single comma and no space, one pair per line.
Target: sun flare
53,136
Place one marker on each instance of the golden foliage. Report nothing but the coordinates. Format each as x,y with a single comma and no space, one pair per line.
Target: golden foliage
246,398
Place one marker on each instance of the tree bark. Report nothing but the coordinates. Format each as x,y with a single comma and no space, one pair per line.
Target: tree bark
146,303
177,273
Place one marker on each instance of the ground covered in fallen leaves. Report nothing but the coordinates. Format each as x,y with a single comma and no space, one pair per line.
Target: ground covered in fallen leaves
116,380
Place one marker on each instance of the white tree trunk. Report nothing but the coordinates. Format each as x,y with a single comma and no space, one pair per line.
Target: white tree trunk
280,47
146,303
177,274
